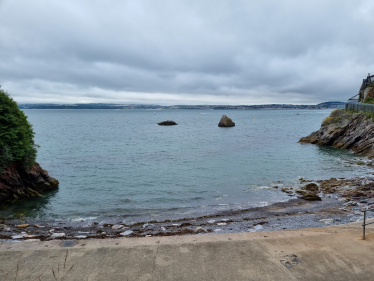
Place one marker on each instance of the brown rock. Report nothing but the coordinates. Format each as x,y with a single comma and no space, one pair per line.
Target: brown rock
22,225
17,183
311,197
345,129
226,122
311,188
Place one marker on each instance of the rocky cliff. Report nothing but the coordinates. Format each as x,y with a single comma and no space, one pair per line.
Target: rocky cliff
345,129
16,183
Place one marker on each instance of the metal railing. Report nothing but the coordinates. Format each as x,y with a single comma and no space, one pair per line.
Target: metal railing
364,224
360,107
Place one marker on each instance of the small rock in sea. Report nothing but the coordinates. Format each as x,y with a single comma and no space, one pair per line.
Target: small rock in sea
163,228
338,219
218,229
103,233
58,235
326,221
167,123
311,187
226,122
275,186
148,225
126,233
117,226
221,223
200,230
80,236
22,225
211,221
258,227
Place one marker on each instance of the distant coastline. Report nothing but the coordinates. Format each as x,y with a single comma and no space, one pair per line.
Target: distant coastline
324,105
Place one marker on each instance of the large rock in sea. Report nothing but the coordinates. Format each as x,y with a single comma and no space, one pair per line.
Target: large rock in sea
226,122
17,183
345,129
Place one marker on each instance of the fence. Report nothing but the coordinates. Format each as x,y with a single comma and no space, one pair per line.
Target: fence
360,107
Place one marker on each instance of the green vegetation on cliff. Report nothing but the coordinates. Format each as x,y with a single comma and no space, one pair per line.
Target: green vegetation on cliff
16,135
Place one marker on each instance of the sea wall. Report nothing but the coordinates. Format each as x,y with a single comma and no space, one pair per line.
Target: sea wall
17,183
346,129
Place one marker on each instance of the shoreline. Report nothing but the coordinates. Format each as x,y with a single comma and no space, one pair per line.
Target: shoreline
335,208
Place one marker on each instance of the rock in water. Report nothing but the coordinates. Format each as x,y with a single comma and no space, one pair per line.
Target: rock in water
345,129
17,183
167,123
226,122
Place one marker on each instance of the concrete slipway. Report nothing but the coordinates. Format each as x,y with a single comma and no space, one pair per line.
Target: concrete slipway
326,253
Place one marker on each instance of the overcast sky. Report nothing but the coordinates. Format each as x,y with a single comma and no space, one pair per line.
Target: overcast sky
185,52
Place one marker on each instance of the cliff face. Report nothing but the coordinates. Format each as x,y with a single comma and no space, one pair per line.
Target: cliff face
343,129
16,183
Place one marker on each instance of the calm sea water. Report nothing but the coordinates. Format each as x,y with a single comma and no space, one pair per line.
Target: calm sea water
119,162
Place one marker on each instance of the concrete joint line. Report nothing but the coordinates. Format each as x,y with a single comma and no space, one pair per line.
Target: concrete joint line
276,260
154,265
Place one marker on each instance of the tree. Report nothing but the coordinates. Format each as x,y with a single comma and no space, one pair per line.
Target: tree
16,135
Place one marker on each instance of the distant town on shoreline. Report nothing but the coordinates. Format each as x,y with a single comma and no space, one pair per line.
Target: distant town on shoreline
330,104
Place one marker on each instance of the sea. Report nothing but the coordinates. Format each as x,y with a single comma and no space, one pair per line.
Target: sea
120,163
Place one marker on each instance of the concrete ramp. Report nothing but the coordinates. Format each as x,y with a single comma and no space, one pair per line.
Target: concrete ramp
328,253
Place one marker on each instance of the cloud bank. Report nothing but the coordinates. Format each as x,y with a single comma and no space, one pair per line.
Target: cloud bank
185,52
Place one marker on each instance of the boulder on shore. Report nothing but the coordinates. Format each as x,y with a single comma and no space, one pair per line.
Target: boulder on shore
167,123
17,183
226,122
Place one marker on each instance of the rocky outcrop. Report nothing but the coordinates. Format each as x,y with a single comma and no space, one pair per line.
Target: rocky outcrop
226,122
16,183
167,123
345,129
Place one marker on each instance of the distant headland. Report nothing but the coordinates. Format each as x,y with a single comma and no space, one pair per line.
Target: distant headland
330,104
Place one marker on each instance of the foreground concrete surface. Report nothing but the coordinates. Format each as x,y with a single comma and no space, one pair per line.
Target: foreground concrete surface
327,253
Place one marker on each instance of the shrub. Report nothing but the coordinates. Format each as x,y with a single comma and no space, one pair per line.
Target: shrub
16,135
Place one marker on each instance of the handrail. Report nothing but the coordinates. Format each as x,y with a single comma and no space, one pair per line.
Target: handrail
364,223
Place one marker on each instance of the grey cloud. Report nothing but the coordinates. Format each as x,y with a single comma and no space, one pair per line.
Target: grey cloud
192,51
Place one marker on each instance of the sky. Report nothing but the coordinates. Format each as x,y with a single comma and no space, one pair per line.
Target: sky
172,52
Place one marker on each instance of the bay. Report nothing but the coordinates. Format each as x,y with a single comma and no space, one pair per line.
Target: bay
121,163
